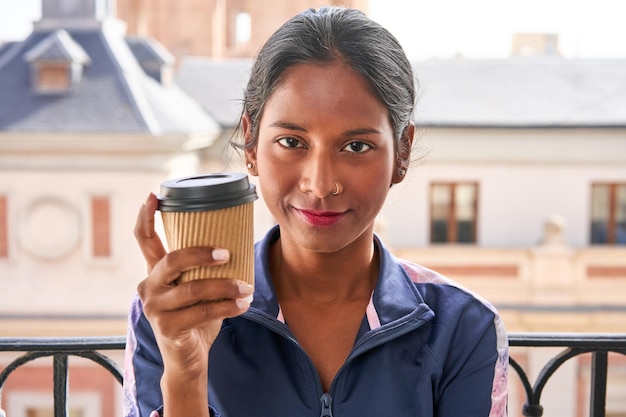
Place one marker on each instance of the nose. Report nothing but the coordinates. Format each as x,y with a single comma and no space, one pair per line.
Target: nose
318,175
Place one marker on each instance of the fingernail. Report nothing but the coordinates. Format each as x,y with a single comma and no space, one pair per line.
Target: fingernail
244,302
245,288
220,254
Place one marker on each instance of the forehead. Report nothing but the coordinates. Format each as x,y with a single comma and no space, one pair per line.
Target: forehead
319,74
326,90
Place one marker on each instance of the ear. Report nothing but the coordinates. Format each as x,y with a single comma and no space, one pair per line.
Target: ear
403,156
249,146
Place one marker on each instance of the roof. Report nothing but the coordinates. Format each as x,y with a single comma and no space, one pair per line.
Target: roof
58,46
516,92
218,85
113,94
148,50
522,92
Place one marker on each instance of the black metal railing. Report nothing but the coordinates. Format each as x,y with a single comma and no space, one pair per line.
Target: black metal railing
574,344
598,345
60,349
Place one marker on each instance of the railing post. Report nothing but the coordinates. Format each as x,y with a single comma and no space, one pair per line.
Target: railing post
599,370
60,376
532,410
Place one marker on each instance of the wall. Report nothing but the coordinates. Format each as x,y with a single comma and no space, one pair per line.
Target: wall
524,176
206,27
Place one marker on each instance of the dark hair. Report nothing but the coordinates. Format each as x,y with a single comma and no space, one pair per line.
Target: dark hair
327,35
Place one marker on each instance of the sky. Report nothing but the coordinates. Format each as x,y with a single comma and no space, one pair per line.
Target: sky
448,28
483,28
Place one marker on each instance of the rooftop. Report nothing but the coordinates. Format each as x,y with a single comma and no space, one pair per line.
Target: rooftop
113,93
516,92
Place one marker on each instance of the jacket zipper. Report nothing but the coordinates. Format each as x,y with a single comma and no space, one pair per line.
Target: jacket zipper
327,402
326,399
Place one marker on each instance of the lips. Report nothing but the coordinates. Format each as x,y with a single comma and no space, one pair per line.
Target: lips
320,218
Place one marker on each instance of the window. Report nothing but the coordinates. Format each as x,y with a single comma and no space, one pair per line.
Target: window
238,32
4,228
608,214
453,208
243,28
100,227
52,77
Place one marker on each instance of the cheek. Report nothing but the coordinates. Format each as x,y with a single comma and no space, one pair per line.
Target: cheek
378,174
275,182
275,171
371,185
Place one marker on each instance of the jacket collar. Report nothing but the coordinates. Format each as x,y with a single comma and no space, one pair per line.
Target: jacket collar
394,297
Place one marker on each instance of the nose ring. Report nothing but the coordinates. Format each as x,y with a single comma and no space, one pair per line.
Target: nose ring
337,190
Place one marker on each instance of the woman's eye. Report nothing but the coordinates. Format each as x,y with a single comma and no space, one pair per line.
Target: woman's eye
290,142
357,147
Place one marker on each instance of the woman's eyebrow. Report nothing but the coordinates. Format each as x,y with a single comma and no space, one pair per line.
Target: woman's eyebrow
362,131
287,125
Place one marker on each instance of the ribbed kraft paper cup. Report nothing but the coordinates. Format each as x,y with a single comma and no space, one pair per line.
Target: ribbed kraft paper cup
213,210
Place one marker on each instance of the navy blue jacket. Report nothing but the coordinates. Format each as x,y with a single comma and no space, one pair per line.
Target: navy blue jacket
426,347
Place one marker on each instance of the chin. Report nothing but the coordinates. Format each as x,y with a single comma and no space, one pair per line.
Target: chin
328,241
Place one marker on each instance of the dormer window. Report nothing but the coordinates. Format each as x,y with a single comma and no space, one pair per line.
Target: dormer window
56,63
51,77
153,58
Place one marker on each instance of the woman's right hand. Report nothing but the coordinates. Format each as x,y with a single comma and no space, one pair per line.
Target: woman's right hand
187,317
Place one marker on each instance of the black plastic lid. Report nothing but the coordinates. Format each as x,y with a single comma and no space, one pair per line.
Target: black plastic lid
206,192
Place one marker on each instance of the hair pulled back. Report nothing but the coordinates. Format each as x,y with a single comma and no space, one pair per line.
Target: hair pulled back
327,35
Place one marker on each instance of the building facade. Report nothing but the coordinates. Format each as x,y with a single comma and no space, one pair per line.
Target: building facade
90,123
216,28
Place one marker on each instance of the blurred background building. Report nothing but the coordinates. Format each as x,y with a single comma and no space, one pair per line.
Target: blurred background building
215,28
518,189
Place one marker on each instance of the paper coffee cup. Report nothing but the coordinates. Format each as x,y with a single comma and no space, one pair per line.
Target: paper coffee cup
211,210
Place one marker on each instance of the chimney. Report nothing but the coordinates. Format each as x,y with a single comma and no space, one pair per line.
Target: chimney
70,14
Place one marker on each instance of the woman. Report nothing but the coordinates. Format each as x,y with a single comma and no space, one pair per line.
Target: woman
337,325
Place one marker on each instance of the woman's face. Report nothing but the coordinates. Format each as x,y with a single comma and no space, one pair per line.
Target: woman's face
323,127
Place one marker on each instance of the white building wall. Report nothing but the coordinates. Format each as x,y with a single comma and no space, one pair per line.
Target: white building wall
71,280
524,178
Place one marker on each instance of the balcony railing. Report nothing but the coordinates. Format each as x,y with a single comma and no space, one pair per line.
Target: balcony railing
598,345
575,344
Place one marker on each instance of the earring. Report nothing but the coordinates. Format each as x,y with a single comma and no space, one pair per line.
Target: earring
337,190
402,172
250,165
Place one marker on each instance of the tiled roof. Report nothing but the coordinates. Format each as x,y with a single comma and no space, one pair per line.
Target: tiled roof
524,92
517,92
147,50
113,95
218,85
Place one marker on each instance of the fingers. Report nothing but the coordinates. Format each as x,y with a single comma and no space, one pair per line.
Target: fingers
172,297
169,268
193,304
161,283
149,241
200,314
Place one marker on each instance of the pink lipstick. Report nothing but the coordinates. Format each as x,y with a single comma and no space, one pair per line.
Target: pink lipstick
320,218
